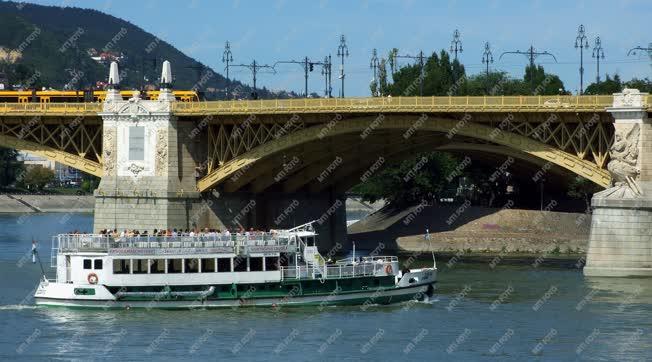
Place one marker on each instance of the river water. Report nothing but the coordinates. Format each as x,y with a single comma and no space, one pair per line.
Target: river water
514,313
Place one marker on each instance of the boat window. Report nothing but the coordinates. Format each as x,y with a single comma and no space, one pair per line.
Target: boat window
174,265
121,266
256,264
208,265
239,264
271,263
157,266
97,264
140,266
87,263
223,265
192,265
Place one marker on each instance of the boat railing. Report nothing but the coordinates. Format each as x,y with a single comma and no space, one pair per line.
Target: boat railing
336,271
379,259
98,242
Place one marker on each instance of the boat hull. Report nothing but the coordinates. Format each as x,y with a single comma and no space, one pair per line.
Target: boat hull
66,295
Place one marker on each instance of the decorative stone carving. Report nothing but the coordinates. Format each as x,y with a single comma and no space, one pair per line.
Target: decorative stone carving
630,98
135,106
108,152
624,153
161,161
135,169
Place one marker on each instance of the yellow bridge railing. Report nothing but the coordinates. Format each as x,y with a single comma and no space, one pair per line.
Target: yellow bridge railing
50,109
345,105
400,104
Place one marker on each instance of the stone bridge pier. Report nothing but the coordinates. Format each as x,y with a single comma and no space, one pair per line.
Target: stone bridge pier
620,243
150,161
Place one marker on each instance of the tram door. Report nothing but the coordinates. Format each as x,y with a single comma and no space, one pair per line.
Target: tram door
68,269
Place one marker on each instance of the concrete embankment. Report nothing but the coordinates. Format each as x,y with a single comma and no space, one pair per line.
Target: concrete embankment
474,230
46,203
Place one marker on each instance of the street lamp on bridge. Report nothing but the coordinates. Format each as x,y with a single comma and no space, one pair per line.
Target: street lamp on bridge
374,65
456,43
487,56
597,54
582,43
342,51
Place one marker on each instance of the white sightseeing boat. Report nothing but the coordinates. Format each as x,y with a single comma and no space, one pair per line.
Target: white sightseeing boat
275,269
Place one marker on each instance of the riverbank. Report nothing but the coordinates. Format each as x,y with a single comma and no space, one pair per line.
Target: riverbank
476,233
46,203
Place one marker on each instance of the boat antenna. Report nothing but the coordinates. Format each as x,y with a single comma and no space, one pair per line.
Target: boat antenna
36,257
434,262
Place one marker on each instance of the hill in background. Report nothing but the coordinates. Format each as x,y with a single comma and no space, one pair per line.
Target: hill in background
48,46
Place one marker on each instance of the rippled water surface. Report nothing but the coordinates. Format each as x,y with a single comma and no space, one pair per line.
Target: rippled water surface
478,313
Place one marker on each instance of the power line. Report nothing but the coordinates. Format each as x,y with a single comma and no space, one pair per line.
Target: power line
532,55
254,67
420,59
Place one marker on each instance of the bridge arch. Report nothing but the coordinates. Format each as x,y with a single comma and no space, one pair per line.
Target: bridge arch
369,124
68,159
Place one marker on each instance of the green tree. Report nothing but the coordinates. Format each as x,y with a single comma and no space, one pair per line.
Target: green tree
411,181
10,168
607,86
583,189
89,183
542,83
37,177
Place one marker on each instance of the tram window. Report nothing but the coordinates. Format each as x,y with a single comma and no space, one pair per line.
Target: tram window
174,265
192,265
208,265
157,266
140,266
271,263
87,263
239,264
121,266
223,265
256,264
97,264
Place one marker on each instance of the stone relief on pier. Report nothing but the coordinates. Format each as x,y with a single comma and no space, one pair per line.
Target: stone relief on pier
624,153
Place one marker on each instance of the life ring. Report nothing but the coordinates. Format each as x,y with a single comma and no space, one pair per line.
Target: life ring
388,269
92,278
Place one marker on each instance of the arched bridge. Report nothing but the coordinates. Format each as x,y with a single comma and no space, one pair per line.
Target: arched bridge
293,144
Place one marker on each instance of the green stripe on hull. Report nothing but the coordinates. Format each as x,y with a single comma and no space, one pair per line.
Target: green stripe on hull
295,288
397,295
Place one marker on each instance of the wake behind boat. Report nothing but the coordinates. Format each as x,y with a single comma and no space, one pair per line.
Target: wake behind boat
206,270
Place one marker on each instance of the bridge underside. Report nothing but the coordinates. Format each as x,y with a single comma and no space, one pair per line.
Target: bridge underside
73,142
314,156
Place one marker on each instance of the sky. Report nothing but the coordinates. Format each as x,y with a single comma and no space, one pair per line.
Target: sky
276,30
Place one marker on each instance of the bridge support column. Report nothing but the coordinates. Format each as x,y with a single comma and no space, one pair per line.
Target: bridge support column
148,181
621,230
